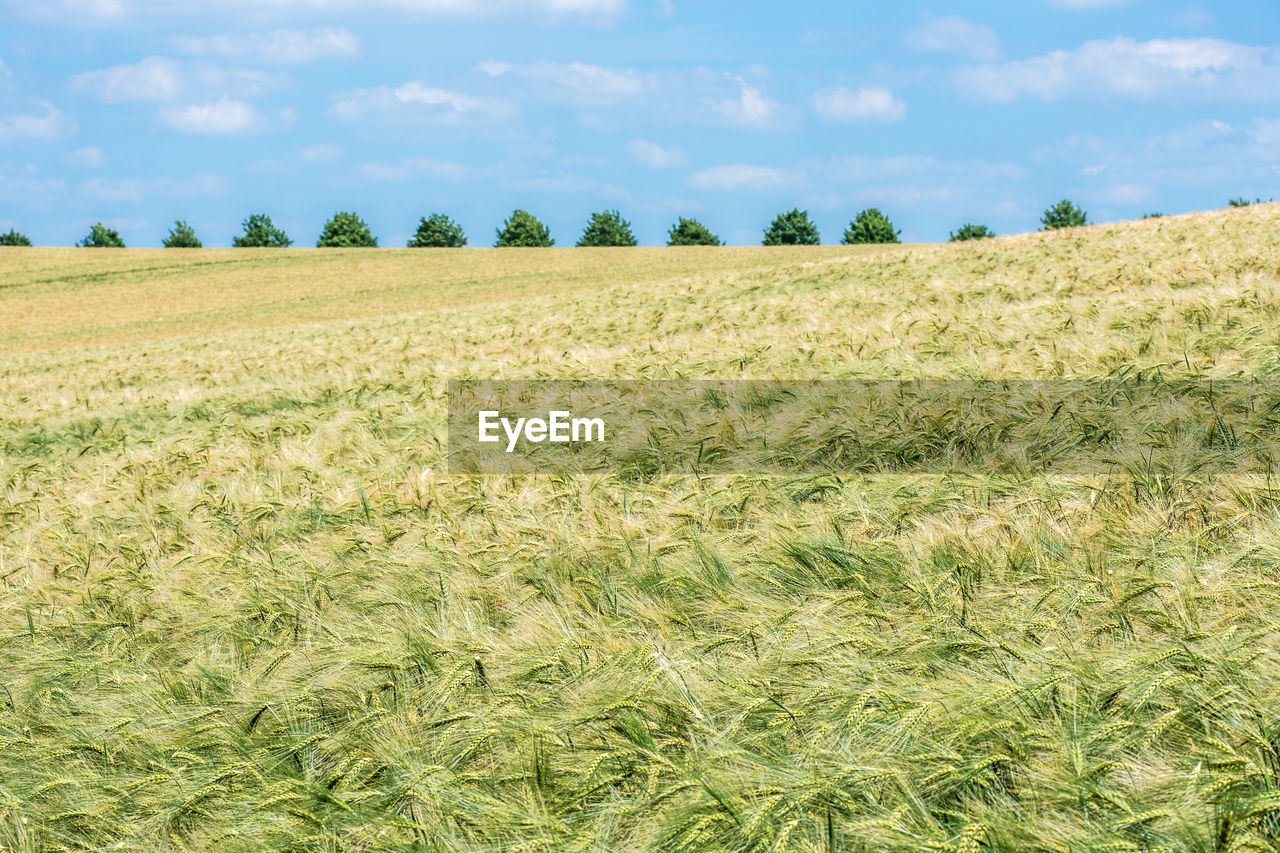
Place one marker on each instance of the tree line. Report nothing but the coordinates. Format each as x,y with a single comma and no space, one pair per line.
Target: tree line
523,229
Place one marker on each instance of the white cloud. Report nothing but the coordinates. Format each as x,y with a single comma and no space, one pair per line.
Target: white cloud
655,156
557,182
321,154
1124,194
220,118
50,124
152,79
280,47
575,82
918,168
158,78
415,99
868,104
953,34
751,108
1267,133
696,96
1196,138
911,195
110,189
1209,159
86,158
29,189
740,176
898,184
414,167
136,189
1138,70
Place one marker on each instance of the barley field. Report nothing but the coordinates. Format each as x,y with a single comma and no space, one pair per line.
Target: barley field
246,608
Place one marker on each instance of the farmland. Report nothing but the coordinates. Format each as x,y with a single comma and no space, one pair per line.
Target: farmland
245,607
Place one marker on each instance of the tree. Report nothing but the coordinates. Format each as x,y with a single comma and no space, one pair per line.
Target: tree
102,237
969,231
1153,216
1064,214
523,229
691,232
438,232
870,226
182,236
259,233
13,238
346,231
607,228
792,229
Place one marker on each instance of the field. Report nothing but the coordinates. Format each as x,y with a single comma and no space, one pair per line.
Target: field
246,608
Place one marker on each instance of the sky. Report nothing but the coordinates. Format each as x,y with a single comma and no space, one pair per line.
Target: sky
140,112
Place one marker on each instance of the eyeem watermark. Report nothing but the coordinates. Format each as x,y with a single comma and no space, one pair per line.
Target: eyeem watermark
559,427
1149,427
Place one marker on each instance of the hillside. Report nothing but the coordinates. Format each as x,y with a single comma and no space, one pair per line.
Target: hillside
246,608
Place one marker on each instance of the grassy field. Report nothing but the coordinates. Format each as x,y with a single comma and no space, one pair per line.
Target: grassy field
245,607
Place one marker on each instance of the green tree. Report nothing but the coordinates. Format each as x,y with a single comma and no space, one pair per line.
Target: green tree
523,229
1064,214
260,233
13,238
346,231
182,236
969,231
438,231
691,232
792,228
1153,216
870,226
102,237
607,228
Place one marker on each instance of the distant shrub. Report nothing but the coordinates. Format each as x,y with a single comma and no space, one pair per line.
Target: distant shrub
438,231
102,237
870,226
13,238
792,228
607,228
182,236
1244,202
1064,214
1153,216
969,231
346,231
523,230
261,233
691,232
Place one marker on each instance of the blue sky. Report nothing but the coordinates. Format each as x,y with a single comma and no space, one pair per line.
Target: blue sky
139,112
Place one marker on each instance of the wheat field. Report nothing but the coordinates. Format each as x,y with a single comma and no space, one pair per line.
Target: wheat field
246,608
